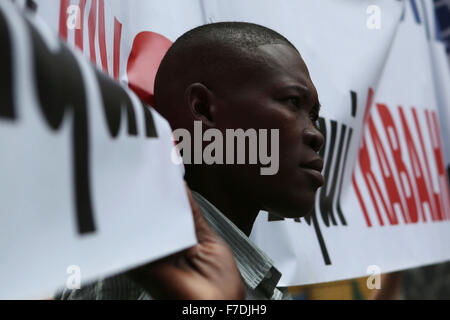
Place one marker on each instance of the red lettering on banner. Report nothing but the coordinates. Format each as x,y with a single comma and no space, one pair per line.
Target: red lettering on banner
410,215
96,7
92,23
416,166
369,178
371,182
79,32
365,157
368,106
387,172
63,18
361,201
102,36
411,189
436,210
117,38
437,148
148,50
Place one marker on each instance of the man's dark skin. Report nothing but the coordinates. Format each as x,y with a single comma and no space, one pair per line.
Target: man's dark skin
275,93
278,95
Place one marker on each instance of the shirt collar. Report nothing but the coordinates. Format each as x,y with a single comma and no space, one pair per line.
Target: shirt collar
255,266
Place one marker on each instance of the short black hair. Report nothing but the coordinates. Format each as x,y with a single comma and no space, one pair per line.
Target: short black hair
243,36
204,53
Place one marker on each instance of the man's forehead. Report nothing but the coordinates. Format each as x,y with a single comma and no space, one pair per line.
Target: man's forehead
285,61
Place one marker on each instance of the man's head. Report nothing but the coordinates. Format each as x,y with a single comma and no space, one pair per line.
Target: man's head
236,75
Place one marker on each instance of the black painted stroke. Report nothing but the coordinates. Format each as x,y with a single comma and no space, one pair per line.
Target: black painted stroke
326,199
7,110
335,181
448,174
323,247
116,102
62,93
31,5
339,209
150,128
354,99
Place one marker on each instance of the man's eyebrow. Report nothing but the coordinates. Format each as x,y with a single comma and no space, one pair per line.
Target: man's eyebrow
305,92
300,88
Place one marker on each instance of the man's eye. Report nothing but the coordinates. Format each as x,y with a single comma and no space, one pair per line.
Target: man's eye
294,101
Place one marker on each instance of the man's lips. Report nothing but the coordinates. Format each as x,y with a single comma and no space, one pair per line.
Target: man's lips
314,169
316,164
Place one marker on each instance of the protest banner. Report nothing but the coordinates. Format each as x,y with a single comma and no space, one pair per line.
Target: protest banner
87,185
382,80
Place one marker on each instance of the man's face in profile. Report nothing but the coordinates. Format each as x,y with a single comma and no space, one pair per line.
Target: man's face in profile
279,95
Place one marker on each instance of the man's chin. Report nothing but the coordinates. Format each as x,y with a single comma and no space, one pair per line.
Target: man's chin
290,203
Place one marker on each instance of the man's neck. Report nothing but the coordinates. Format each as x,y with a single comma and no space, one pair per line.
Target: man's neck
232,204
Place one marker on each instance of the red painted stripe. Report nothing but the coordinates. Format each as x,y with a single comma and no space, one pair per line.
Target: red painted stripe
79,32
63,18
434,206
117,38
101,35
438,196
145,57
92,22
443,185
361,201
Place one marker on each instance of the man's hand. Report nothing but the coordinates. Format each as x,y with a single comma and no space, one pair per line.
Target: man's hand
206,271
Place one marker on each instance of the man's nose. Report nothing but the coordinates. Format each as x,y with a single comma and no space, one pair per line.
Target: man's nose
314,138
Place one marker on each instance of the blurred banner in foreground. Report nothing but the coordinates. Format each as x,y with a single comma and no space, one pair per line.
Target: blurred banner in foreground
383,81
87,185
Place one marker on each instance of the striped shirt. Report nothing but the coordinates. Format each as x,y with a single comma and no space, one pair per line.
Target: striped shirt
257,270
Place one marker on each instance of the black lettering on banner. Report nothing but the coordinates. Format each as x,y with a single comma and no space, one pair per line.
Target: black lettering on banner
115,102
7,109
150,129
339,209
31,5
325,208
61,92
354,102
326,200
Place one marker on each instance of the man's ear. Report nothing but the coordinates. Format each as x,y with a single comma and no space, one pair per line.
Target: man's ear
200,101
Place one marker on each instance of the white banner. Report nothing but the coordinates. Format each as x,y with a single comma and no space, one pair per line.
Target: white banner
381,80
385,205
87,185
